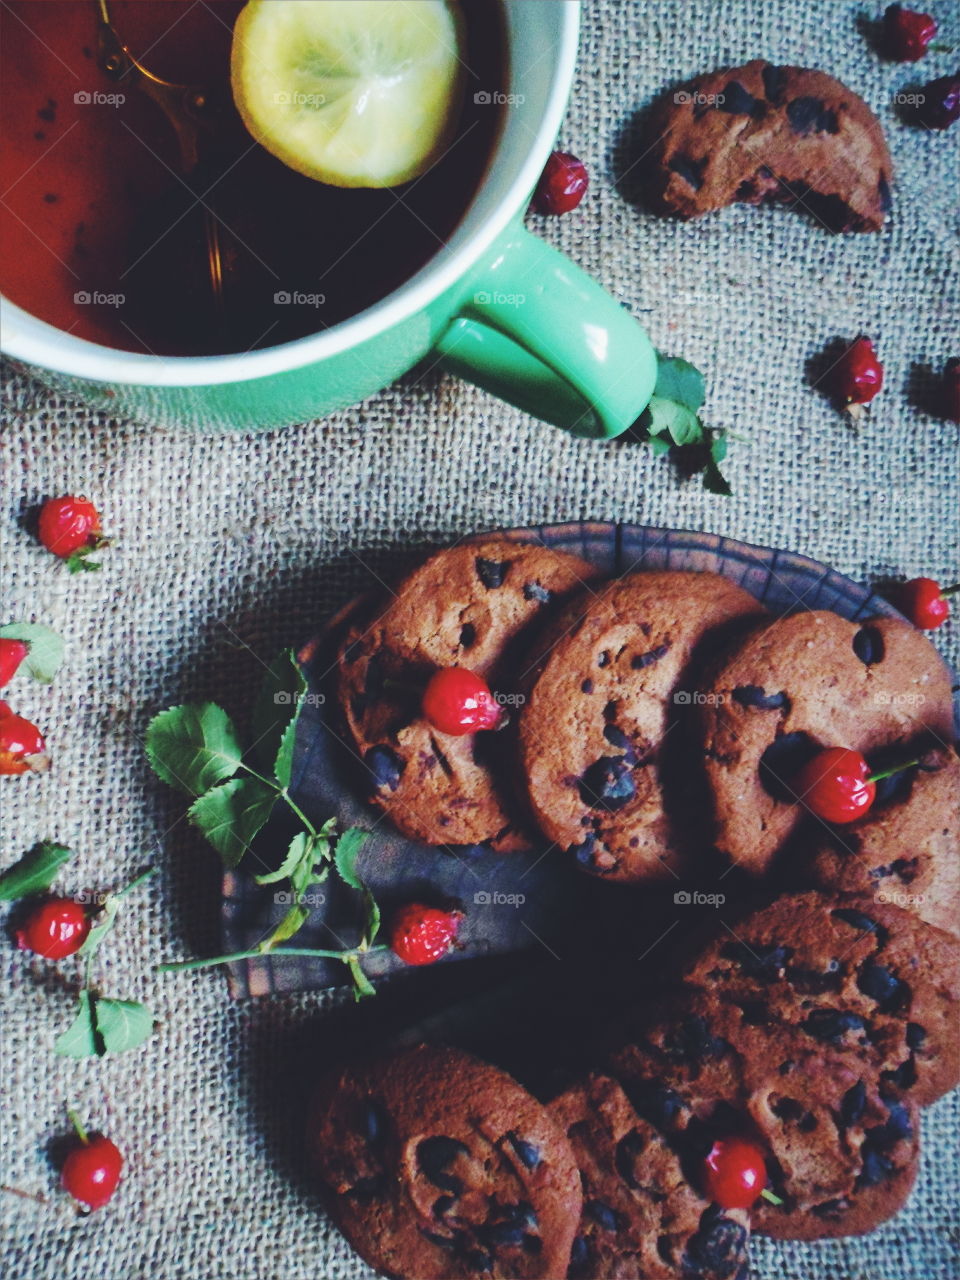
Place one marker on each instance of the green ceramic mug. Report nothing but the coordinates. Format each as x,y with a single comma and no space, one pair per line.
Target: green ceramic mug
495,305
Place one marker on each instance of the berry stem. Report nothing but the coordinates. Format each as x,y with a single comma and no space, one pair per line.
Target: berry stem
75,1121
950,591
136,882
285,795
344,956
769,1196
888,773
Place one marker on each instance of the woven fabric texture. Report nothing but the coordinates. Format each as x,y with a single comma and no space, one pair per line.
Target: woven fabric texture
230,547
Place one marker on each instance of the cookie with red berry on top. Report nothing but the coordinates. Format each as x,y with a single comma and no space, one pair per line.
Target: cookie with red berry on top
418,679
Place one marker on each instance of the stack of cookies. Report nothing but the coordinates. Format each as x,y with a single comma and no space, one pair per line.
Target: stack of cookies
661,718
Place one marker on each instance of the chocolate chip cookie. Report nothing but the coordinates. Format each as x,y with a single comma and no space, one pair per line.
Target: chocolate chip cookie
642,1220
438,1166
906,850
466,606
842,1153
601,704
762,133
860,976
795,686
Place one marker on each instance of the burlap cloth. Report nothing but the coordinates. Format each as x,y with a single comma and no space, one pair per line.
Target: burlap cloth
230,547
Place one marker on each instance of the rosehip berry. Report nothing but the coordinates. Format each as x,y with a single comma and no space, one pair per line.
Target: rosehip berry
735,1173
924,602
562,185
91,1171
939,107
950,391
836,785
421,934
456,701
22,747
858,374
907,33
70,528
56,929
12,653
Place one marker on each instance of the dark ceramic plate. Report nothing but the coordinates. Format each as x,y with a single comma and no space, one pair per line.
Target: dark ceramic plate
514,902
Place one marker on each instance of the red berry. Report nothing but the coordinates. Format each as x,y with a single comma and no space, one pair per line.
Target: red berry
456,701
907,33
69,525
950,391
858,374
735,1173
924,602
562,185
939,106
56,929
22,747
422,934
12,653
91,1171
834,785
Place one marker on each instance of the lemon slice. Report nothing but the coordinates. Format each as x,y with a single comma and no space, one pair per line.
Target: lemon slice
355,93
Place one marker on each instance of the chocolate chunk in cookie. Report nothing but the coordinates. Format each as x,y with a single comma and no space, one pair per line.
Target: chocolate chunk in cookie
860,976
601,704
825,682
763,133
467,606
441,1167
642,1219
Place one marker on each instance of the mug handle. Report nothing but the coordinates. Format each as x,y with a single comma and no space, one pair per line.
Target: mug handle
540,333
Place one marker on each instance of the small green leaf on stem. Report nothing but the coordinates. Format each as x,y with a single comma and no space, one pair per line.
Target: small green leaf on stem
80,1038
345,855
300,849
231,814
122,1024
193,747
276,713
35,871
680,381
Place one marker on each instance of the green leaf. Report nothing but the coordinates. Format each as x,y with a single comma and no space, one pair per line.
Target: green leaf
362,986
345,855
231,815
372,926
680,423
122,1024
80,1038
193,747
102,928
659,446
680,381
45,648
288,926
35,871
276,713
299,851
714,480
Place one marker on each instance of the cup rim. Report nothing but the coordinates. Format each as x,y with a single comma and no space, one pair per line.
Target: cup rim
25,337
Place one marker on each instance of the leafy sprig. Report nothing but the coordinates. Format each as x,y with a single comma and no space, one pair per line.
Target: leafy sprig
197,749
44,648
101,1025
671,423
